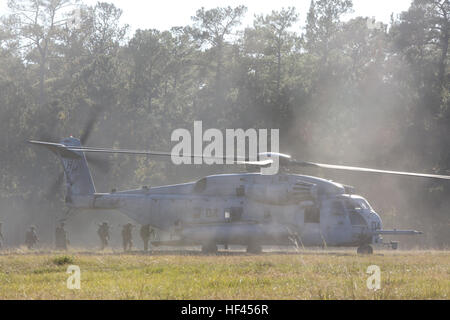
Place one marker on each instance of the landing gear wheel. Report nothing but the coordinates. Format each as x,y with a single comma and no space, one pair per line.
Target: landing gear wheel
254,248
365,249
209,248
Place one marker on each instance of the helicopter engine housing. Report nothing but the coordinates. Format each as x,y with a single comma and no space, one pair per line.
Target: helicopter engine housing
281,193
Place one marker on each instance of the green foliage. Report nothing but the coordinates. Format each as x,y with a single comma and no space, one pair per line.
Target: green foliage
62,260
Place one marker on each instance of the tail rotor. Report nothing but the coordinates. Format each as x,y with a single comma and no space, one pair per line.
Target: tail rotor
53,193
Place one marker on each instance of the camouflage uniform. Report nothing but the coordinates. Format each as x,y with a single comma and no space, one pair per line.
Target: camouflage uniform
61,237
31,238
146,232
103,233
127,237
2,239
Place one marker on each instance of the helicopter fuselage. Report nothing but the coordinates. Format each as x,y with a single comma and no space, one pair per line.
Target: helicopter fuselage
243,208
249,208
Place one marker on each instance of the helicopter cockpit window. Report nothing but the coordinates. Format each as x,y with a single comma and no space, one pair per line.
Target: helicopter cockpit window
357,205
312,214
364,204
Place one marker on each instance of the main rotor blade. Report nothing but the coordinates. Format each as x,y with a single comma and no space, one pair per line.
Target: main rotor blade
167,154
99,164
370,170
90,124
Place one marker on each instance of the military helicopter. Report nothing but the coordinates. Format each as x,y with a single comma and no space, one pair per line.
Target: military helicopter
248,209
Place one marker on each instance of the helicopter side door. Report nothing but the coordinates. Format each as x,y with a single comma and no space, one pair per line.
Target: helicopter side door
310,233
336,224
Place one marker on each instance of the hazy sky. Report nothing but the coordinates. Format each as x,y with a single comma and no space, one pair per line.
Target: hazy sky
164,14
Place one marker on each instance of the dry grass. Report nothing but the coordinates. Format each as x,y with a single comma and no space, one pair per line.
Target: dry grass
306,275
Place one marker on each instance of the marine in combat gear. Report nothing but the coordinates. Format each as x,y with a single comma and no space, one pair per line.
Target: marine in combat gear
127,237
61,241
103,233
2,239
31,237
146,232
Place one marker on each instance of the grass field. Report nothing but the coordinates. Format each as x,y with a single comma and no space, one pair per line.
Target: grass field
276,275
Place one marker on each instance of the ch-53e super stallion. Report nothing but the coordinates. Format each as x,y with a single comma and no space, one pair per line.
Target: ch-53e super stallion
248,209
